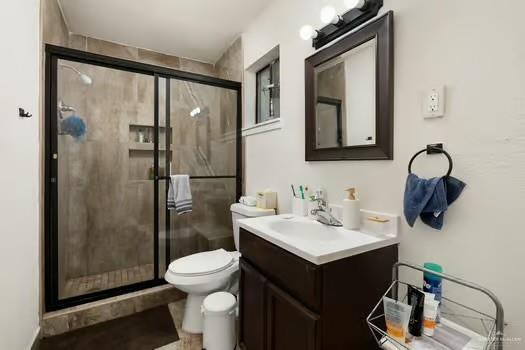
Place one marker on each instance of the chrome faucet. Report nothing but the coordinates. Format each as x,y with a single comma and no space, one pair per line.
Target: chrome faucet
323,213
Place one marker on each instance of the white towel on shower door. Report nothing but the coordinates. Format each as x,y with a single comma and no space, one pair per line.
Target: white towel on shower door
179,194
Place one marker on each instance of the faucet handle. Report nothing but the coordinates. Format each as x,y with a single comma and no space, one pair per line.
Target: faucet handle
319,198
319,194
320,202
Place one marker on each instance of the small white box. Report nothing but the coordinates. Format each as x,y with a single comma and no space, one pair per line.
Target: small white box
267,200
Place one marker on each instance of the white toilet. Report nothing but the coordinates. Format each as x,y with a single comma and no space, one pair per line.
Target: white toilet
204,273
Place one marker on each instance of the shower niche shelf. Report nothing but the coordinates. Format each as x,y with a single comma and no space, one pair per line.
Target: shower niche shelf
141,138
143,146
139,125
141,150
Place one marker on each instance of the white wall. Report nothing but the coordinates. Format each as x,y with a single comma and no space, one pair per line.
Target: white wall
475,47
19,174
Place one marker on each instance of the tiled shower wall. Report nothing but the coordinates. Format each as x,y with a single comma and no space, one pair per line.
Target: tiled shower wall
101,242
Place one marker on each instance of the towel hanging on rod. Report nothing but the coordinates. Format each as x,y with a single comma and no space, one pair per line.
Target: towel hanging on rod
435,148
429,199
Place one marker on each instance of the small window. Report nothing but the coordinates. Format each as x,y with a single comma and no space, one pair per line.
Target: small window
268,101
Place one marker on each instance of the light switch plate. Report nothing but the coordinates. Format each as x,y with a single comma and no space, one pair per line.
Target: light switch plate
434,103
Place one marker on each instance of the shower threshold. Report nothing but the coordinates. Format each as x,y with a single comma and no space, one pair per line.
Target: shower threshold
107,280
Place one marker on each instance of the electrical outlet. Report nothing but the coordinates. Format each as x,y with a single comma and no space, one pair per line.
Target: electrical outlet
434,106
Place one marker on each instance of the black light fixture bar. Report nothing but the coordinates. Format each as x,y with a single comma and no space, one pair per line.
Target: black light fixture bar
352,19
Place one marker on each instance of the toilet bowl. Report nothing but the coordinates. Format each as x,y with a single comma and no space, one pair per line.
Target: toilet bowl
204,273
199,275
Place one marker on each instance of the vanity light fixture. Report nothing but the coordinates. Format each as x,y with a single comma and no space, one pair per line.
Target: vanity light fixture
329,16
355,4
307,32
359,12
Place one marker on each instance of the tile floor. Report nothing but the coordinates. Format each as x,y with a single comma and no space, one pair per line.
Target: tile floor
186,341
147,330
107,280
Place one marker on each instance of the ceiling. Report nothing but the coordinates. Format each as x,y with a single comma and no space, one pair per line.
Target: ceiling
197,29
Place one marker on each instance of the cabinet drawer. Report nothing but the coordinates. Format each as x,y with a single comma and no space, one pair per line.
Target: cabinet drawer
298,277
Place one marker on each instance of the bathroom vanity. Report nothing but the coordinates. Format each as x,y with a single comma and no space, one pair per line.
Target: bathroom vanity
307,292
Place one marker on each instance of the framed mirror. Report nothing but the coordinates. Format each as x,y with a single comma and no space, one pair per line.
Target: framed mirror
349,96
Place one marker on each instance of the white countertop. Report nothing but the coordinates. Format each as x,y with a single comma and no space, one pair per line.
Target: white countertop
318,243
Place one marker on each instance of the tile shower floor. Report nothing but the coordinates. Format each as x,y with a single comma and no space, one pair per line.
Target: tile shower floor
107,280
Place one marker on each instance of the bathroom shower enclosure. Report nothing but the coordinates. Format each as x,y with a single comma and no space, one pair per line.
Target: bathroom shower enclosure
115,130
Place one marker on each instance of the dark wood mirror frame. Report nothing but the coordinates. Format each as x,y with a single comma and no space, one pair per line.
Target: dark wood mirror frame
383,30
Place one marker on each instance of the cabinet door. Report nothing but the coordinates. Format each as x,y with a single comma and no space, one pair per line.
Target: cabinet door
252,308
289,325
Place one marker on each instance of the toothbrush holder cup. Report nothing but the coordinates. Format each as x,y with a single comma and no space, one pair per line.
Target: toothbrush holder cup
299,206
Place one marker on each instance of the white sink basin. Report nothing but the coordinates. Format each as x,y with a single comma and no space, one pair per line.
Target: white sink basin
305,230
314,241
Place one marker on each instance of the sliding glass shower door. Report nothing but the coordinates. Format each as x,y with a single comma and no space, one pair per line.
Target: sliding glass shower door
202,142
104,155
115,131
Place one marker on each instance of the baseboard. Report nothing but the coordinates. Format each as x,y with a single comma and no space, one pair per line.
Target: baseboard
36,340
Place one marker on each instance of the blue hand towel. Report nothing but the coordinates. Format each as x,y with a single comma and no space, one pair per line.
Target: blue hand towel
423,195
453,188
430,198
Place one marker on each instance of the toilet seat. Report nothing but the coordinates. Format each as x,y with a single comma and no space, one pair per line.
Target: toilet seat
204,280
202,264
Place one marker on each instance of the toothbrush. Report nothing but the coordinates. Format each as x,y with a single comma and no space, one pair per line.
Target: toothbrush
293,191
302,191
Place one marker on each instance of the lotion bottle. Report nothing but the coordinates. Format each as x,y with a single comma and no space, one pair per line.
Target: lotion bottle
351,211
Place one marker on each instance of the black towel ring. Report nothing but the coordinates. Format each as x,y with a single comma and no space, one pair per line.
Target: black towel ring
433,149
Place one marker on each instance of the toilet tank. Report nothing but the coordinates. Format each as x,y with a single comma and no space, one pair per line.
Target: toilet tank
241,211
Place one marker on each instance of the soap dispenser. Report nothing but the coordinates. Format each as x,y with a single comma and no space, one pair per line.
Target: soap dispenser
351,211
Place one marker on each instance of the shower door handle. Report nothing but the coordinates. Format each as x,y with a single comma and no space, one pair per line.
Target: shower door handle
53,179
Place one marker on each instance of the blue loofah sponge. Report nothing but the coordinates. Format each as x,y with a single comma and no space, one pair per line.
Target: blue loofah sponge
74,126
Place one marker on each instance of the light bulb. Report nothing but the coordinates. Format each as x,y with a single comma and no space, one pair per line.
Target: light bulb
355,4
329,15
307,32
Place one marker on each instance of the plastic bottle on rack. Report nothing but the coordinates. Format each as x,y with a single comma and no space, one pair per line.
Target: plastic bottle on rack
432,283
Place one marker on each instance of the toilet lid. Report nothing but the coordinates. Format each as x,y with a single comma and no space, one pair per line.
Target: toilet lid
202,263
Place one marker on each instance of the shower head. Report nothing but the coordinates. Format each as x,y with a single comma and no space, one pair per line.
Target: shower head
86,79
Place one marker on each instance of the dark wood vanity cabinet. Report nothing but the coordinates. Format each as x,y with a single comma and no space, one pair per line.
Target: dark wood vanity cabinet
289,325
271,318
252,306
288,303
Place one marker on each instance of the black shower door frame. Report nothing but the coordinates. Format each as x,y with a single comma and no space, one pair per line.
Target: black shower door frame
52,55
